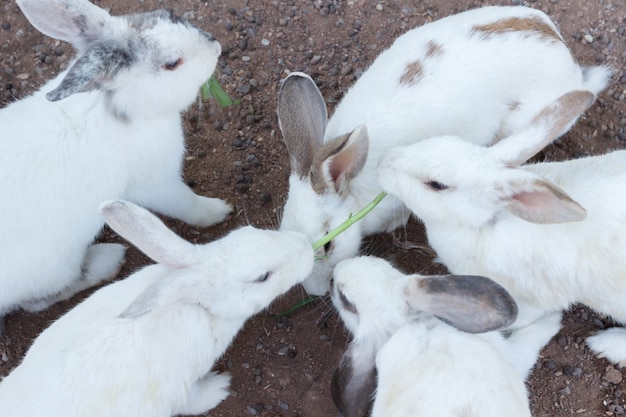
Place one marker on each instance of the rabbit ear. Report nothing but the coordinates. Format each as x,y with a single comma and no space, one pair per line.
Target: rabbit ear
340,160
302,119
148,233
549,124
539,201
93,69
354,381
76,21
470,303
181,286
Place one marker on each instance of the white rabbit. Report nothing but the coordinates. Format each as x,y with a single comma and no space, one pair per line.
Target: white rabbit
109,127
424,366
482,74
550,233
145,345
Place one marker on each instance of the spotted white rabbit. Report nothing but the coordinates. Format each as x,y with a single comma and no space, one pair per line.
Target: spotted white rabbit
550,233
108,127
481,74
408,357
145,345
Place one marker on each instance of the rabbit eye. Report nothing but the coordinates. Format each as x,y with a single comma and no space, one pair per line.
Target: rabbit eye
263,277
328,246
172,65
346,303
436,186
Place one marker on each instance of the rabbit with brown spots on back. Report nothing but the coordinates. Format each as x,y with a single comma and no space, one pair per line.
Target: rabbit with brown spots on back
482,74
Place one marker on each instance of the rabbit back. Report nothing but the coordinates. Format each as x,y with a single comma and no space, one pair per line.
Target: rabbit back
445,372
54,159
109,365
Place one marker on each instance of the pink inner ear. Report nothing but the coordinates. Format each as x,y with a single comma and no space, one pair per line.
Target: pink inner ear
338,165
531,200
546,205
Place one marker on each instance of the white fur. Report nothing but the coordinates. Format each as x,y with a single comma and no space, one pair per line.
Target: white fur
480,87
424,366
145,345
573,250
120,138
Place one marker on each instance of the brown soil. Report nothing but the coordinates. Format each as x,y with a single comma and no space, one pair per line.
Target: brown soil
282,367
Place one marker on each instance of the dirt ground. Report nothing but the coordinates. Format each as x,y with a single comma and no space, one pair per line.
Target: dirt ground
282,366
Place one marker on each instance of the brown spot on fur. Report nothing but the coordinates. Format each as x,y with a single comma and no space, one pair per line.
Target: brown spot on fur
528,25
434,49
412,74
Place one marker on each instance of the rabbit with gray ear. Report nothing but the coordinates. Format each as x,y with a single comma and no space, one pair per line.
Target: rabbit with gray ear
429,346
145,345
550,233
481,74
108,127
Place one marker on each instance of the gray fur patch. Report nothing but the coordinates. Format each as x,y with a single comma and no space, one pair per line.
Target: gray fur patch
473,304
352,388
97,66
148,20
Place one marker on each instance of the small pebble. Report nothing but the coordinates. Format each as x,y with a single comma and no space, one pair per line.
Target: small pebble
265,42
251,410
588,38
613,375
379,7
550,364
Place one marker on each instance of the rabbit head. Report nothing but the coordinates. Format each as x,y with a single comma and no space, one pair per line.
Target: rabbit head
448,180
212,275
144,64
374,300
318,200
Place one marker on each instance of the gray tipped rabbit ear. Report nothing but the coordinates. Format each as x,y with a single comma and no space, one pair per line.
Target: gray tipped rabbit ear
144,230
554,120
77,21
96,67
302,118
473,304
353,384
340,160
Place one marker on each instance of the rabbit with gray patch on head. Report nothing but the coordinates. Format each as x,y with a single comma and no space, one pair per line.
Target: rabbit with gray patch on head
108,127
430,345
144,346
481,74
549,232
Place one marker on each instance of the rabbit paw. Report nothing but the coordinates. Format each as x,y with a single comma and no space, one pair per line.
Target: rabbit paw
103,261
207,393
209,211
610,344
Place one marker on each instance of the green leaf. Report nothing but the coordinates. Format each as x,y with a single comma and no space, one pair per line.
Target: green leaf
295,307
351,220
330,236
212,88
